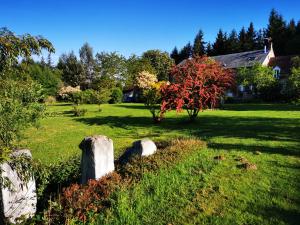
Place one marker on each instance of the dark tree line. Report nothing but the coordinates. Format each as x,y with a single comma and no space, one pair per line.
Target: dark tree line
285,37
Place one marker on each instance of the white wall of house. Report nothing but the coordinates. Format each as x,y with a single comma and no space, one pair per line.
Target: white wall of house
270,55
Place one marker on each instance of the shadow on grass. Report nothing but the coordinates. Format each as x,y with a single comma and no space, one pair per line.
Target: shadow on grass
209,126
262,107
131,106
288,216
252,148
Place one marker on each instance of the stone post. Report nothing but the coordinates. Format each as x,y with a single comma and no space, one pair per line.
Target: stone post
19,198
97,157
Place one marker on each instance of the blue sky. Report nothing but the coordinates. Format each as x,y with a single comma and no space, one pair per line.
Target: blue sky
134,26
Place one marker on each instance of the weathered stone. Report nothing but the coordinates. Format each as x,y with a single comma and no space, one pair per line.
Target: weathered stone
19,198
145,147
141,148
97,157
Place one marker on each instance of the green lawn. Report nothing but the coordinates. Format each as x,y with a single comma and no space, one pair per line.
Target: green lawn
197,189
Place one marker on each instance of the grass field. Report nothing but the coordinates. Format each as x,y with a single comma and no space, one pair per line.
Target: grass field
198,189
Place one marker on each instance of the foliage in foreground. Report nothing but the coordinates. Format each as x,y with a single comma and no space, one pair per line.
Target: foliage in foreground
80,203
19,96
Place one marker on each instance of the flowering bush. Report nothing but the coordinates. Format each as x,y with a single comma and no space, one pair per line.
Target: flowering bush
153,100
198,84
65,93
144,80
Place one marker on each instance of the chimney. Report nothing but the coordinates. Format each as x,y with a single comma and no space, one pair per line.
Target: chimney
268,43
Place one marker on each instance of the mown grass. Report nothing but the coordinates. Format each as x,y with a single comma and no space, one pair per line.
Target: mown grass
198,189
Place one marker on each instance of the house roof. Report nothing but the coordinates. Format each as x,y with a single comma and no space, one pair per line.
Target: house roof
242,59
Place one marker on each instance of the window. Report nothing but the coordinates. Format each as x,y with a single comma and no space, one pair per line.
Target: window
276,72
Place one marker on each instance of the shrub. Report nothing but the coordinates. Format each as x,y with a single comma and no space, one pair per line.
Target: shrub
49,100
81,200
145,79
198,84
152,97
49,78
19,108
116,96
66,93
50,179
265,86
78,111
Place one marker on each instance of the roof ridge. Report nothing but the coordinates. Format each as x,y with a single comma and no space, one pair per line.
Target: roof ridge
240,53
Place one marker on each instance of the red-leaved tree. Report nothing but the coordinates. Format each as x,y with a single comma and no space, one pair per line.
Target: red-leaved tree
198,83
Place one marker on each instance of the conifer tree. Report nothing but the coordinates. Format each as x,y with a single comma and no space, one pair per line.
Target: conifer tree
219,47
250,38
199,44
260,39
277,31
242,39
186,52
233,42
175,55
209,49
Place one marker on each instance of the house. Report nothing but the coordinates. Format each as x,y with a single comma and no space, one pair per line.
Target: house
128,95
246,59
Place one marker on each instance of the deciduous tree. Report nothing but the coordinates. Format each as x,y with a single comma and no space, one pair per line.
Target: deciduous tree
160,61
197,84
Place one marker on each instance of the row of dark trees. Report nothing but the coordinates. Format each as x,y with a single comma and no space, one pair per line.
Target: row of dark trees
285,37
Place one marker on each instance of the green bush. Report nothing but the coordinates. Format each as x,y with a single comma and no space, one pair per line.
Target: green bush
50,179
116,96
49,100
19,109
90,96
78,111
49,78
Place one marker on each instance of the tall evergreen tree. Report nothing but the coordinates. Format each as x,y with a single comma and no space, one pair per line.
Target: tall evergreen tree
186,52
175,55
233,42
209,49
260,39
277,31
292,45
242,40
219,47
199,44
298,28
72,71
250,38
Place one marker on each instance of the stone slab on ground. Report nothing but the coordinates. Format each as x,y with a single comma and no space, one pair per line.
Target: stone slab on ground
141,148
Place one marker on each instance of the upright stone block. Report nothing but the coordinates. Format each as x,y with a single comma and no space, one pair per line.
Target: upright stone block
18,200
97,157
